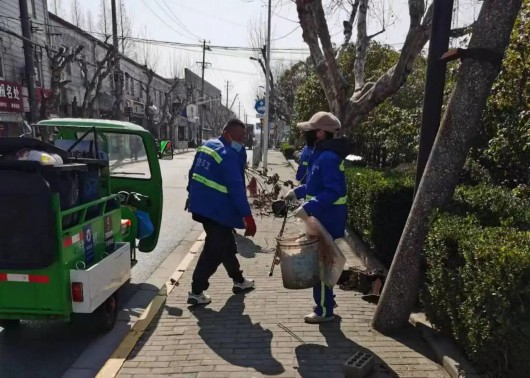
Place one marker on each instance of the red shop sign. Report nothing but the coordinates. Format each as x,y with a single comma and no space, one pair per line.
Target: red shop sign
40,93
10,97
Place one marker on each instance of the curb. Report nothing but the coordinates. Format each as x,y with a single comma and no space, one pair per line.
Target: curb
114,364
293,164
447,354
135,316
362,251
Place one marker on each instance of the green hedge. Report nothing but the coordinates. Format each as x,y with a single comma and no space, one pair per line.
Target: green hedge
287,150
493,206
477,259
478,290
378,206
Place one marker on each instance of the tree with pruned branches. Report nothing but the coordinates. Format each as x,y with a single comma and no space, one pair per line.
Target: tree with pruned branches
351,102
58,61
93,77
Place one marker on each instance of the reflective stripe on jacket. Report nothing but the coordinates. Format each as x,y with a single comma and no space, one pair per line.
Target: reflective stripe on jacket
325,192
216,188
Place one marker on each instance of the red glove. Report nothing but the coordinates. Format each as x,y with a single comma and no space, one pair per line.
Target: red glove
250,226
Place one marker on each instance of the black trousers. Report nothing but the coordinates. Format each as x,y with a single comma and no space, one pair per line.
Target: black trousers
219,248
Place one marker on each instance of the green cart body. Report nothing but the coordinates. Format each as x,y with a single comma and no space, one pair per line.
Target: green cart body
69,232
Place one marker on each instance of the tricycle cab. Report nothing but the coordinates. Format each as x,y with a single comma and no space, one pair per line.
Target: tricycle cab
69,229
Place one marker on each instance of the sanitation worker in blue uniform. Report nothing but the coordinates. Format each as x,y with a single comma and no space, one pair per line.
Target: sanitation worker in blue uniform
325,196
305,158
218,200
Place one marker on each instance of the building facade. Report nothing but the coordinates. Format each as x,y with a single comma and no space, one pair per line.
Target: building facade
14,104
144,91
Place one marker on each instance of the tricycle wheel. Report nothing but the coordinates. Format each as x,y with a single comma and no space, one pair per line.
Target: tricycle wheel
106,314
9,323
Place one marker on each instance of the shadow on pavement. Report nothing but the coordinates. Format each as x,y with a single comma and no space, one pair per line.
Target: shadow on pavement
411,337
314,360
233,336
246,247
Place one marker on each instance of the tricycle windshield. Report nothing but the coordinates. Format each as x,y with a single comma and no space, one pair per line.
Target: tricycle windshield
126,154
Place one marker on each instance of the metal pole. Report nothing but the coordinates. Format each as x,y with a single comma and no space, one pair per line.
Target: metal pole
121,24
118,82
29,65
267,89
202,92
434,84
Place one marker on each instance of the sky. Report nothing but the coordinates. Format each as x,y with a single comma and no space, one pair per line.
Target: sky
231,23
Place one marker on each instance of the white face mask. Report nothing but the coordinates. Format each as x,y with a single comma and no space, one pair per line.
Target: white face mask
236,146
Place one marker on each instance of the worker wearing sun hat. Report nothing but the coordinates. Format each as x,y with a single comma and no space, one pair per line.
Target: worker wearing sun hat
325,195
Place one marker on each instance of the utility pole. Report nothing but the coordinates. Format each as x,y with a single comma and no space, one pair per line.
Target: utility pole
121,24
29,65
227,85
203,66
239,113
117,108
267,89
434,83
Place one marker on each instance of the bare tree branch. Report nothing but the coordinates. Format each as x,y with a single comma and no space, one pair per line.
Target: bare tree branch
348,29
93,85
390,82
58,61
372,36
361,47
460,32
167,101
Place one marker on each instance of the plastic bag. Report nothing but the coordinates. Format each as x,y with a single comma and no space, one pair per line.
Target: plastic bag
332,260
145,226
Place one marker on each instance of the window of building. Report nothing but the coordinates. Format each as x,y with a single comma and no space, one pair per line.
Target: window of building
132,86
31,9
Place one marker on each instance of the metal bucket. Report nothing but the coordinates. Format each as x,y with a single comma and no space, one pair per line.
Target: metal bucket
299,258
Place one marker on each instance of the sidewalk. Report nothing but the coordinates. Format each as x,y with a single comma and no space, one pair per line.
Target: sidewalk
262,333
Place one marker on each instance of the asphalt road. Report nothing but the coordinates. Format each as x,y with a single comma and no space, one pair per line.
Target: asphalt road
48,348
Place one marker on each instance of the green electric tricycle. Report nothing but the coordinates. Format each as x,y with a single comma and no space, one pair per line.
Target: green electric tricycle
75,206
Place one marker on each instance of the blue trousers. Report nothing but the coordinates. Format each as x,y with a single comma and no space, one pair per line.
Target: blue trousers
324,299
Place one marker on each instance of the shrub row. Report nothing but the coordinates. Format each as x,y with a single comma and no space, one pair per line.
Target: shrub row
477,290
287,150
378,206
477,258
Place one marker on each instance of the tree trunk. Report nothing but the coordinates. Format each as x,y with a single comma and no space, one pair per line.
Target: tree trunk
117,107
361,46
460,124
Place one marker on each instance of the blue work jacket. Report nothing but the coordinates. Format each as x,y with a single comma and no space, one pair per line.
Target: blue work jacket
216,188
303,164
325,191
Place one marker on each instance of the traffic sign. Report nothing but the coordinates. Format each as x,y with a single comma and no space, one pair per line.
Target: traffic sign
260,106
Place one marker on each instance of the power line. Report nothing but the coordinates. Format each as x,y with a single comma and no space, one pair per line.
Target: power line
288,34
292,50
176,19
160,18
